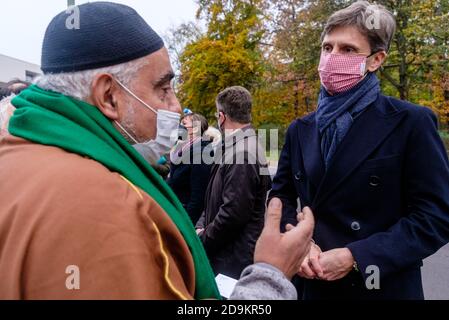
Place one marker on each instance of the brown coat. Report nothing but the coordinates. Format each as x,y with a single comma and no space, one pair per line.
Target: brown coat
59,209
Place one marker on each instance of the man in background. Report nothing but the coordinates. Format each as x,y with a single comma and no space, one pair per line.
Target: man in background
233,216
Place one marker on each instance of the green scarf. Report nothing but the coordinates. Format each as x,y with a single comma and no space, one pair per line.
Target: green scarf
53,119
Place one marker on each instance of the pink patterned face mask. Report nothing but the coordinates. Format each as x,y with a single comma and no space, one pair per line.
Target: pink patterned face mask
341,72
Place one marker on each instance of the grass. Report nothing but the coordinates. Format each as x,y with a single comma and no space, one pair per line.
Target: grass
445,137
444,134
272,157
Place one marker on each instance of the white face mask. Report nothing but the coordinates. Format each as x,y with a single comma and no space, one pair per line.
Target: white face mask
166,135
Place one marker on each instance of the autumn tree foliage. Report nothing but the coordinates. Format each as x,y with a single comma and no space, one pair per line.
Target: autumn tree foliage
272,47
227,54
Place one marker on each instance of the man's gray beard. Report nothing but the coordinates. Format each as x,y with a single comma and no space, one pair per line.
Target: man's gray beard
128,123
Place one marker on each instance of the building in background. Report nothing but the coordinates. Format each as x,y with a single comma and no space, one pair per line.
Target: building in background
12,68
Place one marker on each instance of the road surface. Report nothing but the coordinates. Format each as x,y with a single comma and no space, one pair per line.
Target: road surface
435,273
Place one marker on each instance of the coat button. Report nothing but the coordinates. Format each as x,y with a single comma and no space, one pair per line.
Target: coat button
298,175
374,181
355,226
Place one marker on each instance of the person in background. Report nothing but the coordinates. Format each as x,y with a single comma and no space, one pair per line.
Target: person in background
234,209
17,86
372,168
4,92
187,111
12,88
6,112
189,173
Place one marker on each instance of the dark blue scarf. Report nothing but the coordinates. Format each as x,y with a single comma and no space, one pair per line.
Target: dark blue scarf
335,114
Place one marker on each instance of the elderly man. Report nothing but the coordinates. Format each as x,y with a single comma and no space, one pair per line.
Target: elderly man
82,214
373,169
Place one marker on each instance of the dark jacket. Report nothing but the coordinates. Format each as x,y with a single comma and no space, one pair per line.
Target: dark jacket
385,196
189,178
234,210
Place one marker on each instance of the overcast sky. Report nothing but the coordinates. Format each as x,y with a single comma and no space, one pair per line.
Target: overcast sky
23,22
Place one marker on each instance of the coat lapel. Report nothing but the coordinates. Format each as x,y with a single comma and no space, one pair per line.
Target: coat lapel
366,134
309,140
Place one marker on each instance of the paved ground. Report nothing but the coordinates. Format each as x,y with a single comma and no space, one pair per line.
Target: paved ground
435,274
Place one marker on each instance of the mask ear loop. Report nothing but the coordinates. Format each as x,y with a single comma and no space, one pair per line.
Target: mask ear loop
138,99
127,133
221,125
372,54
135,97
363,66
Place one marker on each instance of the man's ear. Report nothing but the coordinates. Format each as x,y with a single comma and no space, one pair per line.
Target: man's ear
104,95
377,60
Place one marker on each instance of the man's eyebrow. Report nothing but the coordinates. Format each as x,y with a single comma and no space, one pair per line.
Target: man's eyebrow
348,44
164,79
343,44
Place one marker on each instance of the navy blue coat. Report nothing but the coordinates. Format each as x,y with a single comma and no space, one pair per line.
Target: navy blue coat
385,196
189,180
